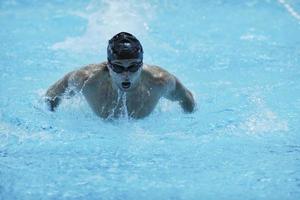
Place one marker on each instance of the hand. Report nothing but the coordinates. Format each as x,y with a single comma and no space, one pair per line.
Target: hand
52,102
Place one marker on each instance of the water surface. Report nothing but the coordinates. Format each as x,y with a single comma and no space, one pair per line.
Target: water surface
241,60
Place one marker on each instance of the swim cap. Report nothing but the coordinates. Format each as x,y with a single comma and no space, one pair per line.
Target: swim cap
124,46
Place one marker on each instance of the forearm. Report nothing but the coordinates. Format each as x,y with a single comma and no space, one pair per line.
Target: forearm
183,96
55,92
68,85
187,102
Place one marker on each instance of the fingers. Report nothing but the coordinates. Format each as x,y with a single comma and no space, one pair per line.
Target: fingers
52,102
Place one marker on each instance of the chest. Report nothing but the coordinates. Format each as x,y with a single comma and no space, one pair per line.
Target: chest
108,102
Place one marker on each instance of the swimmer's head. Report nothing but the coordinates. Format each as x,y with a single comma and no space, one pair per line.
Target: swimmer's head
125,60
124,46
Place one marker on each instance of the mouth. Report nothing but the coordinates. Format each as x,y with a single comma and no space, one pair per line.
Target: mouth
126,85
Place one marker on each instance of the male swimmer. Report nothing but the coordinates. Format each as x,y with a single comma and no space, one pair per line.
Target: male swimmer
124,73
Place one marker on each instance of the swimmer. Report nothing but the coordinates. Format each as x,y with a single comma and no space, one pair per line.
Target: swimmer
123,75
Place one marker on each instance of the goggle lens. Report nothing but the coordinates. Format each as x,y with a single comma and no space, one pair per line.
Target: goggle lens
120,69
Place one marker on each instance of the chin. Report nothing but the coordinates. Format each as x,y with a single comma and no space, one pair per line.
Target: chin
123,89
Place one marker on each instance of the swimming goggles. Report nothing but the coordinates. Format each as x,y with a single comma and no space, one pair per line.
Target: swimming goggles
120,69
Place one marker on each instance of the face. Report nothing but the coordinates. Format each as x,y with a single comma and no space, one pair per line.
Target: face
125,73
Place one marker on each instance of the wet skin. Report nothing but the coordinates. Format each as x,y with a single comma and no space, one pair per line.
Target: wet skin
106,91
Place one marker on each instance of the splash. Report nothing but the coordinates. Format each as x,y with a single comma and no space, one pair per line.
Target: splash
263,120
253,37
290,9
105,19
120,110
124,106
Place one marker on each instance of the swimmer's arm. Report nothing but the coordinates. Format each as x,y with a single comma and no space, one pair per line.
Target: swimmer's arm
67,85
176,91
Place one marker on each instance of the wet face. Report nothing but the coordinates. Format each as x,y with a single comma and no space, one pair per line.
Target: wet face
125,73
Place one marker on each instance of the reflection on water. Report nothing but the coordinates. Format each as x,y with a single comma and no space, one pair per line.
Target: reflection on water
244,72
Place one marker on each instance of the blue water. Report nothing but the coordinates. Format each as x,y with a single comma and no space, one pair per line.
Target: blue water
241,60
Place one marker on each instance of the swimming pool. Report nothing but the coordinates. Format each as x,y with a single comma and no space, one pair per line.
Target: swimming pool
241,59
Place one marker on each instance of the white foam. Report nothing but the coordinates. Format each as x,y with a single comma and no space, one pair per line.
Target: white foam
263,120
290,9
253,37
107,18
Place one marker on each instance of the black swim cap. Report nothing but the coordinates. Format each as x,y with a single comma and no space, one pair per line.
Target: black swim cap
124,46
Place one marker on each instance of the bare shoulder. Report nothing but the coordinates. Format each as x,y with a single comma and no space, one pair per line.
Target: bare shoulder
158,75
88,72
91,70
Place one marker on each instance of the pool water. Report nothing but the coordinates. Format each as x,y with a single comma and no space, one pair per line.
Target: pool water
241,60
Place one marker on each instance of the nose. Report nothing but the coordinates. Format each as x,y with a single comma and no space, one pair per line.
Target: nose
125,74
